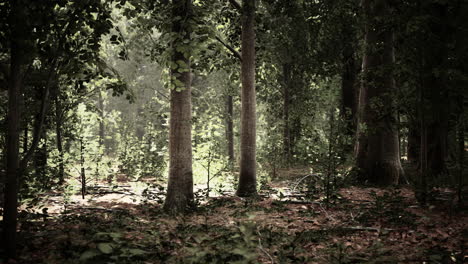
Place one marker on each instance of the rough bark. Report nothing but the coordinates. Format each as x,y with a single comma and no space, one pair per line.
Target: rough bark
10,212
247,178
378,157
180,186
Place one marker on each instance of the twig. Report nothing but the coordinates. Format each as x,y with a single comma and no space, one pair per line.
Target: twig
303,178
262,249
326,214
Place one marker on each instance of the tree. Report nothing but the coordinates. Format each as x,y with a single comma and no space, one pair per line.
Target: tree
180,186
17,30
247,177
39,43
377,156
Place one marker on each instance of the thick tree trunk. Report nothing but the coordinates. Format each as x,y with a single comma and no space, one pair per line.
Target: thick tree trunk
378,154
436,97
180,186
230,128
286,103
10,212
247,178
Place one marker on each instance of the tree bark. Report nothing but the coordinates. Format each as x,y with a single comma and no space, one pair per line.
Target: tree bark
58,132
348,89
14,115
378,154
436,95
247,178
286,103
180,186
414,144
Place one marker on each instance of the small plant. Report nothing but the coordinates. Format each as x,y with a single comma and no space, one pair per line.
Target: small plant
229,246
110,247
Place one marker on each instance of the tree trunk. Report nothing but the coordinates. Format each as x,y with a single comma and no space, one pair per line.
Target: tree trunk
230,128
247,178
25,138
414,144
83,169
436,97
286,103
10,212
180,186
101,119
461,158
378,154
348,90
58,132
40,154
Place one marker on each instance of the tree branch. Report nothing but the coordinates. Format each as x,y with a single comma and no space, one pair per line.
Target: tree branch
42,115
235,4
231,49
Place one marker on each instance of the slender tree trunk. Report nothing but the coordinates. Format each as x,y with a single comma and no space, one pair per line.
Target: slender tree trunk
230,128
10,212
348,90
247,178
461,159
379,157
83,169
286,103
40,154
180,186
414,144
25,138
58,132
102,132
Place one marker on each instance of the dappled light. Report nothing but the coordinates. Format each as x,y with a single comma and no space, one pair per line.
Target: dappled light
233,131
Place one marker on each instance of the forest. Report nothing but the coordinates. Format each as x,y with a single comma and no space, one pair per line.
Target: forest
233,131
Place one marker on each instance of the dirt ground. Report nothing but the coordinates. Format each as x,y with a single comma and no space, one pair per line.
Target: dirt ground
359,225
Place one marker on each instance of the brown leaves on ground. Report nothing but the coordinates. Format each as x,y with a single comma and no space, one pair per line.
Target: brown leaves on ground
361,225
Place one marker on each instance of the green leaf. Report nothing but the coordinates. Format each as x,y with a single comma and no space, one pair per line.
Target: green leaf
136,252
89,254
105,248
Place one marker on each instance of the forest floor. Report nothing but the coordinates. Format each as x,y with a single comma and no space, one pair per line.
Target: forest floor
360,225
